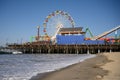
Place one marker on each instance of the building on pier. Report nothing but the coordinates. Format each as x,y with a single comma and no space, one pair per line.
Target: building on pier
74,36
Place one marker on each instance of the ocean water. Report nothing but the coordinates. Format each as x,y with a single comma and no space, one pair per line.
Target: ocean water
25,66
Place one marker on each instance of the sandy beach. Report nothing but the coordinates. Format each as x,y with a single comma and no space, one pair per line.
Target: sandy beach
104,66
113,66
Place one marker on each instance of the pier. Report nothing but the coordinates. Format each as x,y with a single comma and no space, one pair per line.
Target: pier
69,40
66,49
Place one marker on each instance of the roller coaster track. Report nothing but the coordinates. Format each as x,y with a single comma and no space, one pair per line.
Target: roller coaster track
105,33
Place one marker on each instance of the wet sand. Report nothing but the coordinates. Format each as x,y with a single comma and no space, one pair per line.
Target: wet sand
97,68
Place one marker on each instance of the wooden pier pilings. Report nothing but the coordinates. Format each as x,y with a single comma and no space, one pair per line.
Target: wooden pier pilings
66,49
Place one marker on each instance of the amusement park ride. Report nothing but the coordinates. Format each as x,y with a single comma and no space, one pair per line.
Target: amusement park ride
48,38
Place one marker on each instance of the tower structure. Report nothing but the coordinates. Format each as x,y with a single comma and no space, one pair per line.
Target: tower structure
38,33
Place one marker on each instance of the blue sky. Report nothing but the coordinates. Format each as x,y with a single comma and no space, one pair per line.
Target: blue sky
19,18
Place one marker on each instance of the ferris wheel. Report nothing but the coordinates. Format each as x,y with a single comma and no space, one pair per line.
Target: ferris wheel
54,19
